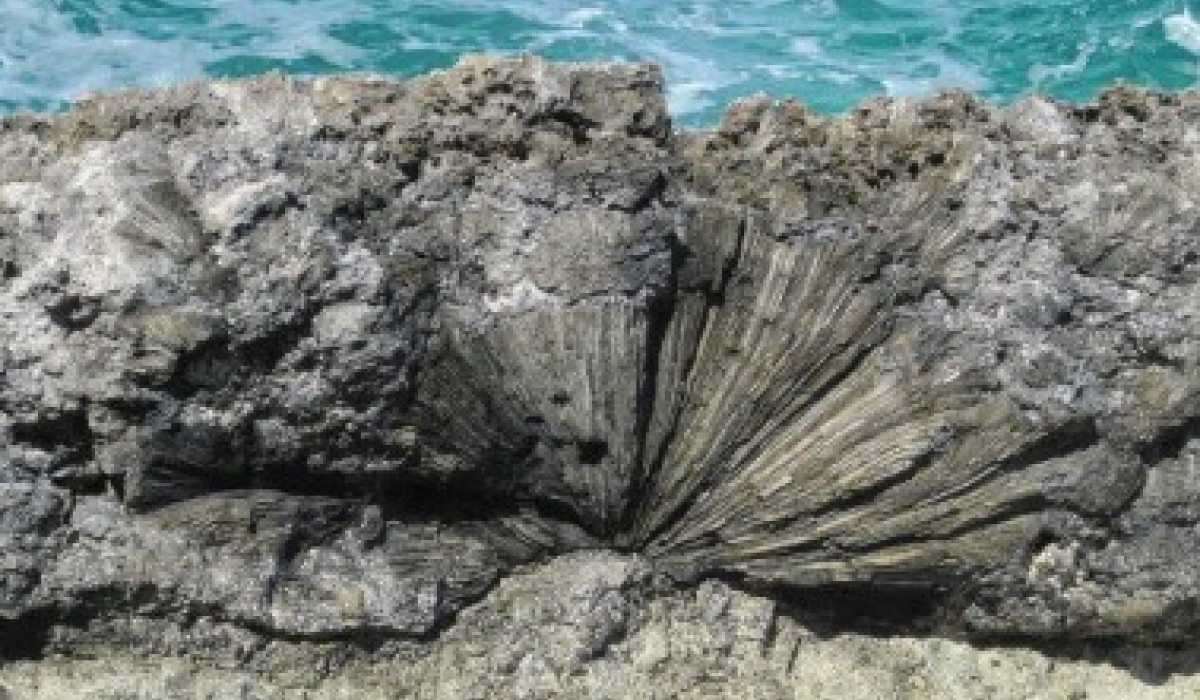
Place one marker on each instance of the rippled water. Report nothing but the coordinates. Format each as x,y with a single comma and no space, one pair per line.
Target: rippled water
828,53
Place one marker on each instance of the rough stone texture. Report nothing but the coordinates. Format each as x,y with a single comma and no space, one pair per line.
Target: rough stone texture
290,365
593,625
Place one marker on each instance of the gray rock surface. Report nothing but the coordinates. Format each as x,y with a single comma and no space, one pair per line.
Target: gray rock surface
593,625
291,364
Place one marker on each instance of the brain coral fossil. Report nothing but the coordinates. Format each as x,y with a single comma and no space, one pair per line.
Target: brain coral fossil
336,354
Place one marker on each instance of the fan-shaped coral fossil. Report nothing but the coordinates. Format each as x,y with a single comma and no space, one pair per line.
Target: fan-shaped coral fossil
326,358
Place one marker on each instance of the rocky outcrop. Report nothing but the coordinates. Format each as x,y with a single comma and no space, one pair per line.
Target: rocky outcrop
592,625
322,362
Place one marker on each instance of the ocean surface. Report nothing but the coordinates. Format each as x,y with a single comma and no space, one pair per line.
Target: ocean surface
828,53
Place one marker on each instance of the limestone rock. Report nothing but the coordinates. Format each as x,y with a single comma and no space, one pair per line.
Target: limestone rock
593,625
324,362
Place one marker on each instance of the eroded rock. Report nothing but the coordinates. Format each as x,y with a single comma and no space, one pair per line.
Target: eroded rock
325,360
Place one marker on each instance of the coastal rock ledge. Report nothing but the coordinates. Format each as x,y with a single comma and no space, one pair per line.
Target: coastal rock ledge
494,379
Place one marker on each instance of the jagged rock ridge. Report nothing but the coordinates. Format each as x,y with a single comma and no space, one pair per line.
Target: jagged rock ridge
325,359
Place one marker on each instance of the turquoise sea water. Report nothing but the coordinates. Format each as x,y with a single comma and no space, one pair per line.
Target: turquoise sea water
828,53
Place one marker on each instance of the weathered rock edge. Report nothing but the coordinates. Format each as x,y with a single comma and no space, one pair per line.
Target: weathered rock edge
581,626
323,360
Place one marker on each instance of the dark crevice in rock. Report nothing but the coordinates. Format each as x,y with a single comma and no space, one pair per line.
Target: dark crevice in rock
661,312
318,523
24,638
1171,441
591,451
74,312
66,436
446,502
873,608
164,480
576,124
879,609
366,639
83,621
714,296
551,509
267,210
400,498
91,484
264,353
654,192
210,364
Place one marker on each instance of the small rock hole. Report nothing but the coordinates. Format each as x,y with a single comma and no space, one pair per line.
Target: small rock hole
592,451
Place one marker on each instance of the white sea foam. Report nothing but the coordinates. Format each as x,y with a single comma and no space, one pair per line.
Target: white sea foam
808,47
693,79
948,74
914,74
1183,30
1040,74
582,16
46,59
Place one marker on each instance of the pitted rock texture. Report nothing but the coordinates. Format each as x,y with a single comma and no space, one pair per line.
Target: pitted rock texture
592,625
322,361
